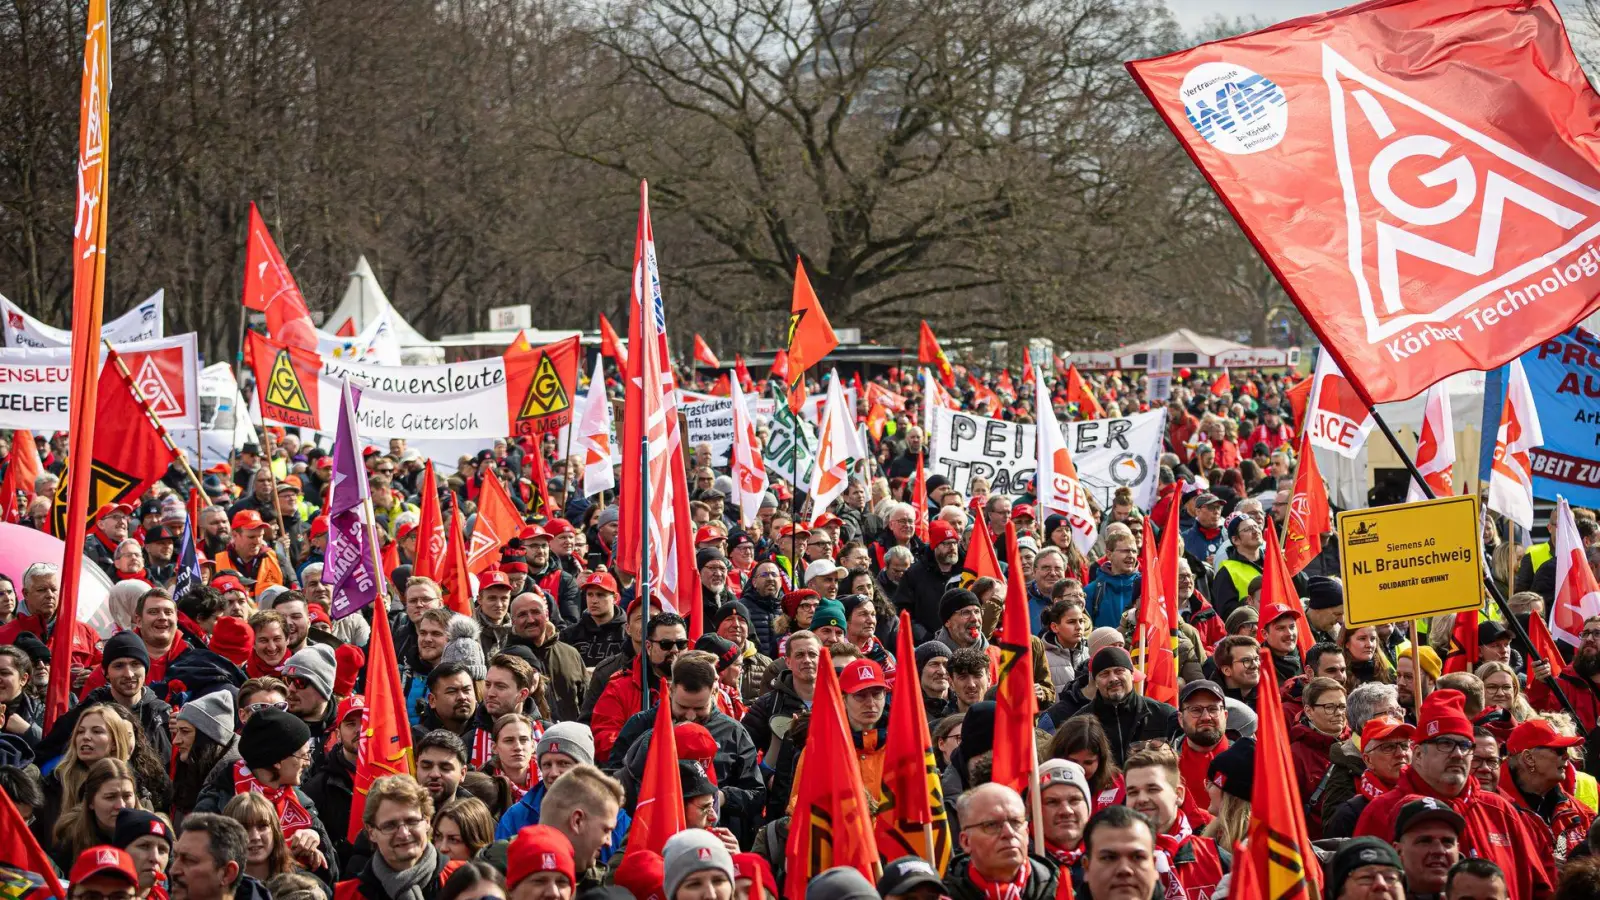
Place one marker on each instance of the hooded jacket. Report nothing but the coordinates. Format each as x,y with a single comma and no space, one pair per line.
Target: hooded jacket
1108,595
1065,663
595,642
1310,750
622,697
771,721
331,786
1558,823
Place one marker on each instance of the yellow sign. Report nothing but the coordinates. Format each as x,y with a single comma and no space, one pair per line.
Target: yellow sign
1411,560
283,386
545,393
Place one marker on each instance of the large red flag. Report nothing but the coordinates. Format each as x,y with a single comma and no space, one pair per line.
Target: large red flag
1168,555
911,819
1544,648
811,337
430,529
1383,210
455,572
1078,392
919,504
1156,633
1277,586
1016,705
929,353
1463,653
831,824
1279,853
610,344
270,289
980,561
1307,522
18,847
386,735
497,523
287,386
659,814
1222,386
22,469
88,309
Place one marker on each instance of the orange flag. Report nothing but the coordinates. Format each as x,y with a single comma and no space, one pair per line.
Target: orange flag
911,818
1078,392
430,529
1016,705
1299,398
919,503
1279,853
497,523
1156,634
929,353
454,573
981,561
831,824
810,336
610,344
22,469
386,735
1277,586
88,309
1307,522
659,814
1463,653
1222,386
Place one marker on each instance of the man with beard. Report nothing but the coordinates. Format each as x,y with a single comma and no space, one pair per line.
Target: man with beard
994,858
1440,769
160,550
962,615
763,597
899,530
667,636
441,765
452,706
1203,716
714,593
214,531
1281,626
555,581
933,670
1579,681
249,554
1065,802
559,661
904,465
599,632
1154,788
1126,716
124,664
924,583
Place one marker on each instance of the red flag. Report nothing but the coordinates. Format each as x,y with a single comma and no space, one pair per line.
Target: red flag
1307,521
20,848
980,561
497,523
195,506
1279,854
1544,648
610,344
22,469
929,353
797,395
911,799
1168,555
1463,653
540,385
659,814
1156,645
1078,392
831,824
88,309
1027,359
347,328
877,418
430,529
1299,398
1008,388
539,475
983,399
386,735
1016,705
919,503
811,337
1277,586
129,455
390,558
780,366
455,578
746,384
703,354
1404,290
287,386
722,387
270,289
1222,387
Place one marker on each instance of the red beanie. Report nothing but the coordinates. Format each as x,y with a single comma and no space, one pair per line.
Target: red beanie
793,599
695,744
755,867
1443,713
643,873
539,848
233,639
348,662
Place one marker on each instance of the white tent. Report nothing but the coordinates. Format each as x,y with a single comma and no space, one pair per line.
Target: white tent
364,302
1191,349
1184,341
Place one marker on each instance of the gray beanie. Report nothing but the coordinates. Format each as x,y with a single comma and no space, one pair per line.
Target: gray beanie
465,648
270,596
211,715
930,651
572,738
769,500
314,663
724,485
1064,771
693,850
607,516
841,883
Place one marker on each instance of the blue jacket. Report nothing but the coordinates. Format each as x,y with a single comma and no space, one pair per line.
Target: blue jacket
525,812
1108,595
1037,604
1197,545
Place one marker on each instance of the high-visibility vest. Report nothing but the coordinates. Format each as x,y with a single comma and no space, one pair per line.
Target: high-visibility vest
1587,792
1242,573
1539,554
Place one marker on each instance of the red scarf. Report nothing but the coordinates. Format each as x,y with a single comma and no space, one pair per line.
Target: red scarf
1370,785
132,576
291,815
256,667
482,749
1000,890
1066,859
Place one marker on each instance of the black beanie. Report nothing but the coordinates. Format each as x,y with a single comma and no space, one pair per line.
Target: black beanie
1323,592
124,645
37,650
930,651
729,609
955,600
723,649
1110,658
133,824
853,602
270,737
977,730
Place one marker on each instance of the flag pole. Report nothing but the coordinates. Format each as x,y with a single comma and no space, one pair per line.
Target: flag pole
1034,801
641,585
1488,580
115,357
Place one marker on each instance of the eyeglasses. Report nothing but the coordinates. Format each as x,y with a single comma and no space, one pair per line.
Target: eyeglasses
1456,746
1215,710
1590,634
78,894
1331,709
998,827
413,825
1138,746
669,646
1485,762
1389,748
254,708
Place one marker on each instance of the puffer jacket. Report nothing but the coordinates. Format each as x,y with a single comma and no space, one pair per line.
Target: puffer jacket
1065,663
763,615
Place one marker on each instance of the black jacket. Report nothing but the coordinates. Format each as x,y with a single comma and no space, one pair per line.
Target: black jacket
595,643
1136,718
331,786
763,615
771,721
1041,884
368,887
920,591
738,776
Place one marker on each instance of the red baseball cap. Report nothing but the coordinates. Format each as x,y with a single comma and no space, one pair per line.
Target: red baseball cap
103,860
861,674
709,534
1384,728
352,704
1538,733
493,578
558,527
533,533
792,529
600,581
539,848
1022,511
404,530
226,583
324,462
112,509
831,522
220,468
1273,612
319,527
247,520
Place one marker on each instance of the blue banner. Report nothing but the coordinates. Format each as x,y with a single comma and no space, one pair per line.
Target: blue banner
1564,373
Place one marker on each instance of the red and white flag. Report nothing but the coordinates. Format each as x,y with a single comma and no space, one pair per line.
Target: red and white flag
1577,595
1336,416
1223,386
593,437
703,354
749,470
1431,206
933,394
1511,477
1058,489
836,448
1436,447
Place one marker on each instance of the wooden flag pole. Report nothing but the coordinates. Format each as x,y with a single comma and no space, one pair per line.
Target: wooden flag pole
155,420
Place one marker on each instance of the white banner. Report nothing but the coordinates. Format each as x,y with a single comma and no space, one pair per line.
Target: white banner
1108,453
377,343
784,457
36,384
142,323
711,422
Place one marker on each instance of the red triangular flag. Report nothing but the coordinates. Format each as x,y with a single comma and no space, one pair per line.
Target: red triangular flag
703,354
22,468
919,503
911,798
386,742
455,578
1463,653
1222,386
929,353
659,814
610,344
1277,586
1544,648
270,289
1280,845
497,523
980,561
1307,522
1156,646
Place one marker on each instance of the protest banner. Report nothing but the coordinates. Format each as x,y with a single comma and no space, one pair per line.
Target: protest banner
35,383
1564,372
783,456
710,421
1108,453
142,323
1410,560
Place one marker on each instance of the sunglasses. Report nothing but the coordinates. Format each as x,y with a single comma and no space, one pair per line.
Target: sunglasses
254,708
669,646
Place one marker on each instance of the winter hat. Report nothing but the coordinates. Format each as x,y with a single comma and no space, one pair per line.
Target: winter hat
693,850
940,531
349,660
930,651
211,715
1358,853
769,501
853,602
955,600
1244,615
1103,637
465,648
1064,771
1323,592
723,485
1233,770
14,751
693,778
232,638
829,612
736,608
1430,660
1241,719
1110,658
1442,714
641,874
726,651
539,848
572,738
1052,522
133,824
124,645
37,650
841,883
607,516
705,557
316,664
755,867
793,599
272,736
695,744
977,730
270,595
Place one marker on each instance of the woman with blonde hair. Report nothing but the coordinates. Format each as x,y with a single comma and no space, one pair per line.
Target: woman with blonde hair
107,788
1229,779
462,828
1502,689
266,851
101,731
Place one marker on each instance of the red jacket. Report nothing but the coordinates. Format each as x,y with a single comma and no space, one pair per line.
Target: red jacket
1193,763
1310,747
1583,693
1194,860
1566,827
1495,831
85,641
622,697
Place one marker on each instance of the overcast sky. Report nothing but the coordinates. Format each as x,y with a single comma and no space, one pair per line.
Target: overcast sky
1192,13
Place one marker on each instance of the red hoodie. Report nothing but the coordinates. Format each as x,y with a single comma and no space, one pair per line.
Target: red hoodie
1310,748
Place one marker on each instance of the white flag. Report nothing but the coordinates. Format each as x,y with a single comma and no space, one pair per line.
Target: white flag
1338,418
749,471
1511,478
594,435
1436,447
835,445
1058,488
1577,596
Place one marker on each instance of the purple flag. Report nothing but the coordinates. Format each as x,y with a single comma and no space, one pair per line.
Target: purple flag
349,569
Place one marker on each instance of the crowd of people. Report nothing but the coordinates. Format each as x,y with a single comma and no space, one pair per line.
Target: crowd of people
211,748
